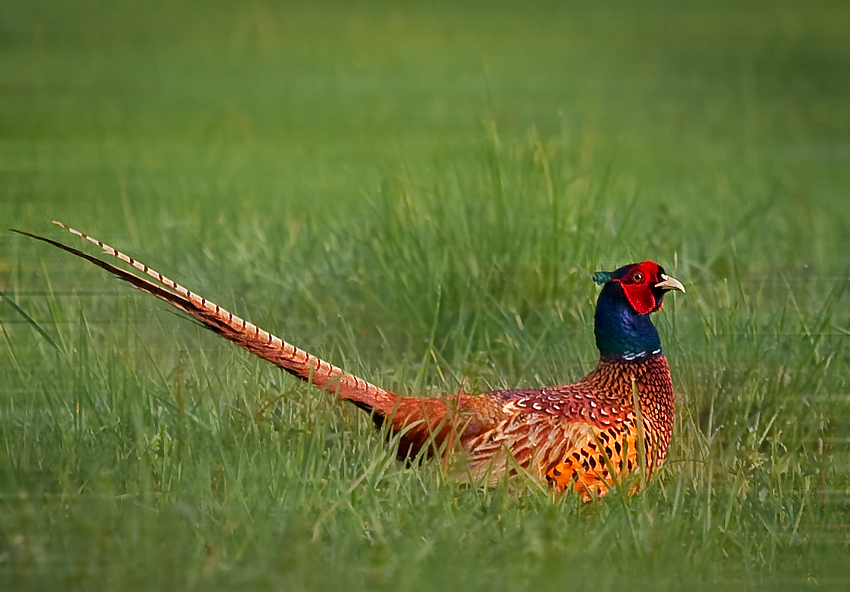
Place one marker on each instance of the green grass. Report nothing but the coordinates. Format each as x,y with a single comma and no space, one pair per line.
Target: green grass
419,193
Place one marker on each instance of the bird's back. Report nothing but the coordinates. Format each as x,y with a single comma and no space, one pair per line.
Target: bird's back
583,435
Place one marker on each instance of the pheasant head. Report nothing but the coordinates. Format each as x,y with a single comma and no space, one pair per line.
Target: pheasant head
629,295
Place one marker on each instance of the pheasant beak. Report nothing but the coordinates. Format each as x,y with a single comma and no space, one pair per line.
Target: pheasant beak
669,283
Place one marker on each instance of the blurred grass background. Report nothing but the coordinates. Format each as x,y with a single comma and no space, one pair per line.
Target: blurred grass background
419,192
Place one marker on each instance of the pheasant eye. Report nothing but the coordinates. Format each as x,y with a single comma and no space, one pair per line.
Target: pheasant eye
638,277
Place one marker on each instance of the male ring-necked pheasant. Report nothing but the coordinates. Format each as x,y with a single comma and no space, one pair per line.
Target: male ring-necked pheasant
586,436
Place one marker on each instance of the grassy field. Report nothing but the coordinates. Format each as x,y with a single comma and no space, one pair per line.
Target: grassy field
419,192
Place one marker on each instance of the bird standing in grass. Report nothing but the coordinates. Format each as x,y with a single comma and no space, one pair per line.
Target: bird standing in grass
588,436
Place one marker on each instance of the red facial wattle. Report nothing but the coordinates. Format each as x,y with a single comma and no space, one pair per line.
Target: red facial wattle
637,284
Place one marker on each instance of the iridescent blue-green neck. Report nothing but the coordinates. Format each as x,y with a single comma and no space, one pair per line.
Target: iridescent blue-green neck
621,332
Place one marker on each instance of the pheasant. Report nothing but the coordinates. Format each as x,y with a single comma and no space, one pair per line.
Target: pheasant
610,427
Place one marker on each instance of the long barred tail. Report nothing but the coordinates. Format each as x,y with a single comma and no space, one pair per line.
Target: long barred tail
294,360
